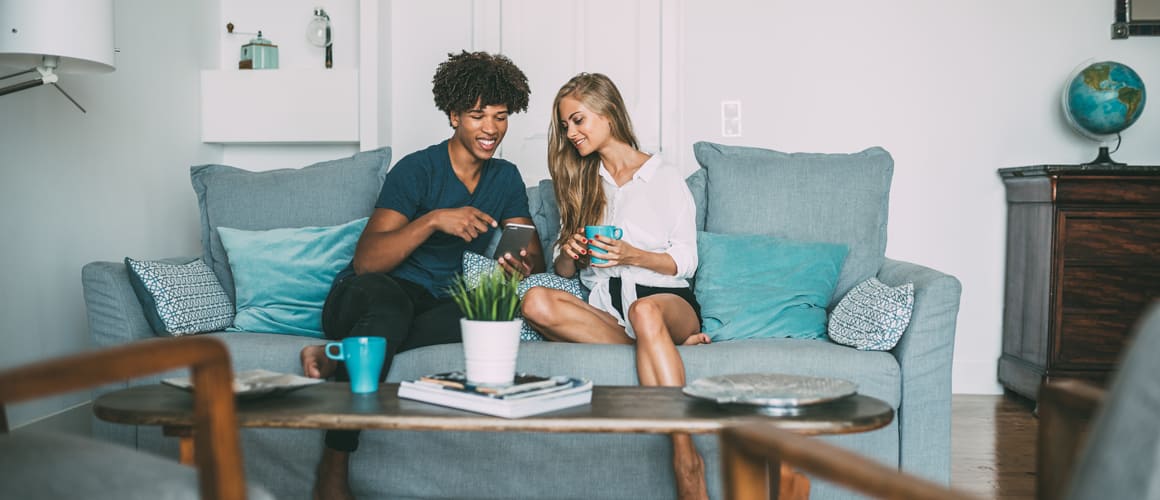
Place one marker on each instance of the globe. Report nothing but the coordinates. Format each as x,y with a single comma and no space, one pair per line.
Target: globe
1103,99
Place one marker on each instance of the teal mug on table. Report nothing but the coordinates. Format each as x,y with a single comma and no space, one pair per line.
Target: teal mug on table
591,232
364,358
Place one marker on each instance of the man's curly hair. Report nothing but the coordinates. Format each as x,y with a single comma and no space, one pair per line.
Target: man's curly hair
468,77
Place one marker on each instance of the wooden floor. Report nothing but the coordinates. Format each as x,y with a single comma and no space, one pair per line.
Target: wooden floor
993,446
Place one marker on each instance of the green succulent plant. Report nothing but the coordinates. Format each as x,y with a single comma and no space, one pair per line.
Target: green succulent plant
495,297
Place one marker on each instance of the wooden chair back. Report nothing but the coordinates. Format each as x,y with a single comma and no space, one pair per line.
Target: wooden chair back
217,450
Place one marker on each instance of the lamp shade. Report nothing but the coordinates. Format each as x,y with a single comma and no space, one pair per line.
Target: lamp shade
79,32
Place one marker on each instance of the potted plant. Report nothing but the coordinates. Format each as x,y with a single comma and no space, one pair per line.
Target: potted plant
491,330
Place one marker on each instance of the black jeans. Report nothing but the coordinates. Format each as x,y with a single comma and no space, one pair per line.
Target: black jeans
379,305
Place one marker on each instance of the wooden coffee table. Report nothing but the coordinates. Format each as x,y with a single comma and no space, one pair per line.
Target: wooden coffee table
614,409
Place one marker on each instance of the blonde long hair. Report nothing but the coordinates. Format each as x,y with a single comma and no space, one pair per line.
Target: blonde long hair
576,179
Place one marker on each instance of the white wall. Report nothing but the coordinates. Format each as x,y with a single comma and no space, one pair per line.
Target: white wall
111,183
421,35
954,91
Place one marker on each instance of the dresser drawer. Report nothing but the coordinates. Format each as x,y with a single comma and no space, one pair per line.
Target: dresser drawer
1111,191
1098,306
1090,341
1126,238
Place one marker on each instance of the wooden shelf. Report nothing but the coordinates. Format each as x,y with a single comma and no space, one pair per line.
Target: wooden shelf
280,106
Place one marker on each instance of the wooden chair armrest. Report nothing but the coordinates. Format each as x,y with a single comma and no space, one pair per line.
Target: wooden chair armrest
216,445
748,451
1066,408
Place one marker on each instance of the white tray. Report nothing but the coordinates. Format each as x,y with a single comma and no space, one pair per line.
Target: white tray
770,389
255,383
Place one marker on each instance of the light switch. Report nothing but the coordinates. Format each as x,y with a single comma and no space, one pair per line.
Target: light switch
731,118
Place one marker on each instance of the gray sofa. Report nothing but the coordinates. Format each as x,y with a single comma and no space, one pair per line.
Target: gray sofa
837,198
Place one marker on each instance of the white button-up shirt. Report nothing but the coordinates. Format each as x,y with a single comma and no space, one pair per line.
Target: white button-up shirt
656,211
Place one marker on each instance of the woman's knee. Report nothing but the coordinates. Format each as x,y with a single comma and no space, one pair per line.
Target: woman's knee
536,304
647,317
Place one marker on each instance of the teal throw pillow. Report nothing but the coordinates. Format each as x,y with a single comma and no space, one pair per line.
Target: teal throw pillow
758,286
476,265
180,299
831,197
323,194
282,276
873,316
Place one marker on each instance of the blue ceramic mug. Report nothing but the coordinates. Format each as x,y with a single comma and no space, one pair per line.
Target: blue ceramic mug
590,232
364,358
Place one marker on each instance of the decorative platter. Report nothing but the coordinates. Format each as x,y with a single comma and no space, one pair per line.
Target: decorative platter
770,389
255,383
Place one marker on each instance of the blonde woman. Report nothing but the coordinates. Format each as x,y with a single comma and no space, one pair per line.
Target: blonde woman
641,294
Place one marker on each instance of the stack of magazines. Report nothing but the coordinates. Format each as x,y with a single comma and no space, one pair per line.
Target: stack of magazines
527,395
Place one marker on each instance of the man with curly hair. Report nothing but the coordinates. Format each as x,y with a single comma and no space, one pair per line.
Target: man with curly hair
434,204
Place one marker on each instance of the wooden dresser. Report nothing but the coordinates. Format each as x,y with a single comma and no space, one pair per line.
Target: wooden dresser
1083,260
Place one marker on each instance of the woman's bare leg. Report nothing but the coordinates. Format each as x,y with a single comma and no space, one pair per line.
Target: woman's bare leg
560,316
661,322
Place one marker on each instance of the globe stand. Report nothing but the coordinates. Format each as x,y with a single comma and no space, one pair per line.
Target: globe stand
1103,159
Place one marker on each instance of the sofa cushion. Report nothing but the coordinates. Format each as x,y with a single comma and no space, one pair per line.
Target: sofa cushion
47,466
759,286
180,299
282,276
873,316
322,194
835,198
546,217
876,373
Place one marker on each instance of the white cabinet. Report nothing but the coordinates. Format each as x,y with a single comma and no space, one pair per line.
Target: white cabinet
379,92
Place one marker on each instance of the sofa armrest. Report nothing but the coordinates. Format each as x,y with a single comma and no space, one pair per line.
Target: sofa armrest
115,316
924,355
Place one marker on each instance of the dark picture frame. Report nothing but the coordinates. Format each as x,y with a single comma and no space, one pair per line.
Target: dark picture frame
1136,18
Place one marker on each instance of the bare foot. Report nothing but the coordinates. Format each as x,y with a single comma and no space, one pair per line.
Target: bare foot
689,470
330,482
315,364
696,338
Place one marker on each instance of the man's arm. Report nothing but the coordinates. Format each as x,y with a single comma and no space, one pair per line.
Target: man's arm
390,237
532,260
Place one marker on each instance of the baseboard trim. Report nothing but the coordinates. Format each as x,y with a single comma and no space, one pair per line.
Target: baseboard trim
72,420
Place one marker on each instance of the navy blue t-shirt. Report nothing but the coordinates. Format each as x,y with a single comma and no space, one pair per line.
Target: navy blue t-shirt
424,181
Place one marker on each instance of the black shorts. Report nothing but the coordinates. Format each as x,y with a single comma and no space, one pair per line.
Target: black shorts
642,291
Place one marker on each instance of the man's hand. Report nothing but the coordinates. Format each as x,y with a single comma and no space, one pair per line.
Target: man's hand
520,265
465,222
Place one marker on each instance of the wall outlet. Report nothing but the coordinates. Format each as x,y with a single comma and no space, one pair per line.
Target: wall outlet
731,118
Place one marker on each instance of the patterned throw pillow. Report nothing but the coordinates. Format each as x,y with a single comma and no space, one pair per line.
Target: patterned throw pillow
873,316
180,299
476,265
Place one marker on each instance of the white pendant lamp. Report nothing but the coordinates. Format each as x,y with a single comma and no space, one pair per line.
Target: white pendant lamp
46,38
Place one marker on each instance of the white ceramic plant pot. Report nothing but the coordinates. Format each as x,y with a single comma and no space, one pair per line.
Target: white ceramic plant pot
490,349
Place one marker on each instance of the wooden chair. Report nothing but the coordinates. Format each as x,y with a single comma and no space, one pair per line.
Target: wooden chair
1119,457
217,449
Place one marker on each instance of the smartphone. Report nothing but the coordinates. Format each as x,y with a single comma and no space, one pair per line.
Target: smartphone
511,239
